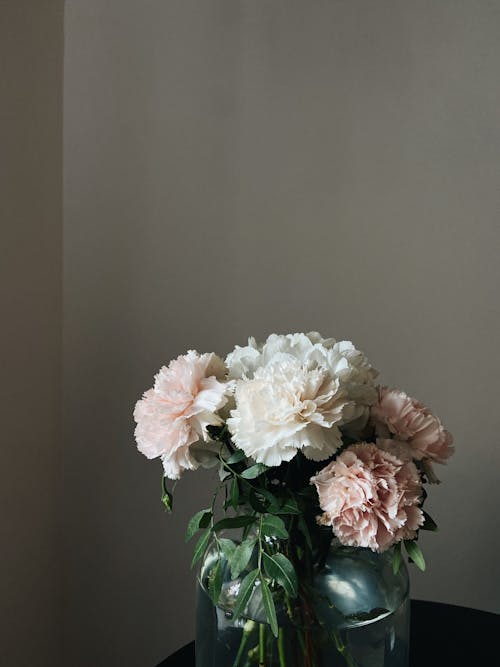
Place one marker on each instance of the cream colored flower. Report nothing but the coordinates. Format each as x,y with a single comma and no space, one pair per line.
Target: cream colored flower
286,407
340,360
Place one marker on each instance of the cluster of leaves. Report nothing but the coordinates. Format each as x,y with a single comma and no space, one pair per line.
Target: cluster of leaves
262,534
412,548
272,510
280,545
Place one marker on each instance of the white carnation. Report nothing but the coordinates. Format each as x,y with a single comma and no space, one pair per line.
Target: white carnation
285,407
341,360
244,361
357,378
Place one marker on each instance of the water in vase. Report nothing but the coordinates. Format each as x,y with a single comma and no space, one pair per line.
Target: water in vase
363,608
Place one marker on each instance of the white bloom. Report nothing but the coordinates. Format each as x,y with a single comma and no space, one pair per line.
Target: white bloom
285,407
341,360
357,378
244,361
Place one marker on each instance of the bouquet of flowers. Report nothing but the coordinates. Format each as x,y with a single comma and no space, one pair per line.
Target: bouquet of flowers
308,448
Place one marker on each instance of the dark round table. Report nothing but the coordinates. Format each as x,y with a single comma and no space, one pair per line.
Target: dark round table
441,634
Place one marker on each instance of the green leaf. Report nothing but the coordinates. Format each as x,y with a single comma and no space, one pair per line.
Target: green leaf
278,567
245,592
235,493
274,503
273,526
429,523
241,556
200,520
166,497
258,501
269,607
206,519
227,548
289,507
246,531
234,522
302,525
201,547
396,558
415,553
236,457
263,500
254,471
215,582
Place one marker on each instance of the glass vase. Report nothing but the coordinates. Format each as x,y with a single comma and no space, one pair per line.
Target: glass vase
356,613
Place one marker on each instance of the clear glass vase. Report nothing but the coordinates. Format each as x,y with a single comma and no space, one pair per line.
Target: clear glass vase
356,613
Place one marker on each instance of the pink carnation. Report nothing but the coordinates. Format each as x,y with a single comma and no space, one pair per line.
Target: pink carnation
370,497
404,418
173,416
401,450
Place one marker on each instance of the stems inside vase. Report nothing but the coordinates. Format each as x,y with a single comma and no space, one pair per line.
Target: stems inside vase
281,647
262,645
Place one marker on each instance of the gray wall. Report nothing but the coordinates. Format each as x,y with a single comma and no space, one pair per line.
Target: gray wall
236,168
31,60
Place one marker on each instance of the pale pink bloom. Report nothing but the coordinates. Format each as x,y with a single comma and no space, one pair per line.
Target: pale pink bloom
173,416
396,415
369,497
404,452
400,450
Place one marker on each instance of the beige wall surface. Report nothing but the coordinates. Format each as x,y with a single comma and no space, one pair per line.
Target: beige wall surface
31,61
237,168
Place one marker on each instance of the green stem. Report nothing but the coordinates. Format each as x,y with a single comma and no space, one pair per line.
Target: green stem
214,500
343,650
259,563
247,631
262,644
230,469
298,629
281,647
300,635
